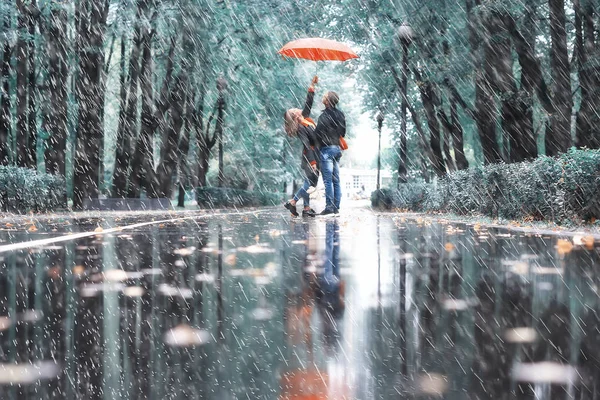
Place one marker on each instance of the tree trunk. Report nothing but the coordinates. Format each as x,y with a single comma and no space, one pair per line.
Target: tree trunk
429,98
128,110
5,109
22,132
142,167
31,157
55,118
587,128
202,141
219,135
558,138
184,148
457,138
171,139
448,133
90,96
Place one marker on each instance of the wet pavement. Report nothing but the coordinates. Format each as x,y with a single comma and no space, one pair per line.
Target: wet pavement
259,305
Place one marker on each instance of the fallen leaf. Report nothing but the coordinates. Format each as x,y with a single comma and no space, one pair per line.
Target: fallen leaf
99,229
449,247
32,228
231,259
564,246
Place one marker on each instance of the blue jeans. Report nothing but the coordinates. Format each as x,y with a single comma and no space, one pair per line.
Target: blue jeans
303,194
330,170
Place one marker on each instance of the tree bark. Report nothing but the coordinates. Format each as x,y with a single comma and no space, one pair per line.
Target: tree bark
219,135
430,100
587,125
153,117
55,118
22,131
558,138
31,157
128,109
5,107
142,167
90,96
457,138
185,175
169,154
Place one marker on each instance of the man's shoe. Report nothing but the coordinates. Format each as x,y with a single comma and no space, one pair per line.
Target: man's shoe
292,208
309,213
327,211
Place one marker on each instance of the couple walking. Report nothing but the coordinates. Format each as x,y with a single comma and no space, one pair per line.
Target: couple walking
320,150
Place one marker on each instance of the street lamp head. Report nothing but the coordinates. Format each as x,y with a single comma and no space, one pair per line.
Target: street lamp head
379,117
221,84
405,34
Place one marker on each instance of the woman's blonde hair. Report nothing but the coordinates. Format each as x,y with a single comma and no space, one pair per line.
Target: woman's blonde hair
291,121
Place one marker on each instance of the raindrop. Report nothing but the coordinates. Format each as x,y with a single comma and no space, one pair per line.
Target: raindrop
5,323
545,372
520,335
457,304
15,374
134,291
432,384
205,278
185,251
262,314
186,336
172,291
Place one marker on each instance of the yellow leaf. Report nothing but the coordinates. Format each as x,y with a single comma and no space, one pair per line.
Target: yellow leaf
449,247
99,229
564,246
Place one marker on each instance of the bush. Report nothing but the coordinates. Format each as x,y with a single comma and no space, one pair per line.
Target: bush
559,189
23,190
215,197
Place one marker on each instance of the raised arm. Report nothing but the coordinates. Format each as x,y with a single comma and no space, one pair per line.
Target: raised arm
310,96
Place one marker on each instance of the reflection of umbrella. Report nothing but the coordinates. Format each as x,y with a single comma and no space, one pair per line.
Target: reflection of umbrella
317,49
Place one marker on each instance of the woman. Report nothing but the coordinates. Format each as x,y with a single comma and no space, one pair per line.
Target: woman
298,124
329,129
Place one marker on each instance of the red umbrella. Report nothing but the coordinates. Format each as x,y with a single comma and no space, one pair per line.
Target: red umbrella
317,49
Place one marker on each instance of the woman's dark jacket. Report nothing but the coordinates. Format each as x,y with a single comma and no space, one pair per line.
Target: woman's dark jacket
306,136
331,125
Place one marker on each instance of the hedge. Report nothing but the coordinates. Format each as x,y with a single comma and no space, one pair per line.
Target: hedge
23,190
560,189
215,197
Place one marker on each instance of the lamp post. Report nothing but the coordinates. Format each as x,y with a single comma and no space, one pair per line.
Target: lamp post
221,88
405,36
379,118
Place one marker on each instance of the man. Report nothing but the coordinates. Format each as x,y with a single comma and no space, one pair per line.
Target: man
330,128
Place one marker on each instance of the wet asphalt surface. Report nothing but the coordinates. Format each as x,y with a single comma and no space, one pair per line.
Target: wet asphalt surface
260,305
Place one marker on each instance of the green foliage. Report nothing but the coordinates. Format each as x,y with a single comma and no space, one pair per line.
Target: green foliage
562,189
215,197
23,190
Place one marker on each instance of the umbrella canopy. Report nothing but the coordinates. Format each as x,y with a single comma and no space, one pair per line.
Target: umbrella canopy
317,49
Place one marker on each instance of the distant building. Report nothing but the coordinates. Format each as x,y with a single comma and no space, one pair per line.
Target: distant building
357,182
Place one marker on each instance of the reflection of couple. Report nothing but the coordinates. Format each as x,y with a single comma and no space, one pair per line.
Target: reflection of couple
323,287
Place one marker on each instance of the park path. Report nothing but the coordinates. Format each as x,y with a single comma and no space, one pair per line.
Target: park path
257,304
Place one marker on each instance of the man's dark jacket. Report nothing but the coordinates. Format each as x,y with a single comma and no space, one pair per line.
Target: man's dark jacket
330,127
